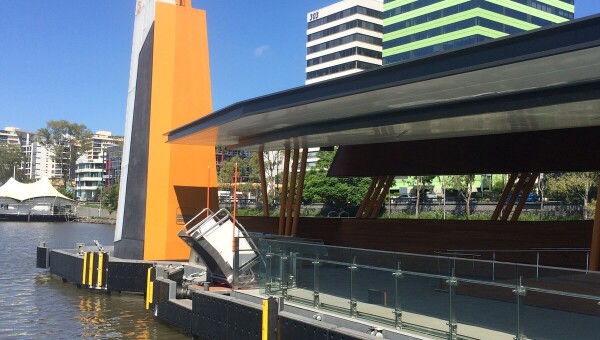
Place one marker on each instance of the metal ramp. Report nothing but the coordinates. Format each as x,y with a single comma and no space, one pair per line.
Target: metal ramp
213,238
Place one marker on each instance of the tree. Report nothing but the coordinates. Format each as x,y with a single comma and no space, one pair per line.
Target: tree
336,193
66,142
110,198
248,173
464,185
11,159
273,167
573,187
421,181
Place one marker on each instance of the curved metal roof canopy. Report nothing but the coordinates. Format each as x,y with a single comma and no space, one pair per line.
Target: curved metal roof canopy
543,80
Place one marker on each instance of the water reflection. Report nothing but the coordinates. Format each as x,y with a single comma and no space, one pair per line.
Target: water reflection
35,304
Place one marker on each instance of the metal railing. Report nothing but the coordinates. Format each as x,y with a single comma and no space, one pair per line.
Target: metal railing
537,251
402,290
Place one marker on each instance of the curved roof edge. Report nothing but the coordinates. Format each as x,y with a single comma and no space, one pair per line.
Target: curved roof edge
25,191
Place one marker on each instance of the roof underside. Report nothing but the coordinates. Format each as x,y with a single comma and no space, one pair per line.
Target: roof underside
544,80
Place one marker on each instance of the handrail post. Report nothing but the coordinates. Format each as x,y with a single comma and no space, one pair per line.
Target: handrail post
494,266
316,281
520,291
452,324
398,275
236,263
268,275
353,302
537,265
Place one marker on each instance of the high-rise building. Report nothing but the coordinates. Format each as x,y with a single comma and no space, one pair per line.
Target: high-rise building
343,38
100,141
98,166
88,177
38,162
415,28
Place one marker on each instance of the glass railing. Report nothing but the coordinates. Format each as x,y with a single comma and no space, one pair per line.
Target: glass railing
438,296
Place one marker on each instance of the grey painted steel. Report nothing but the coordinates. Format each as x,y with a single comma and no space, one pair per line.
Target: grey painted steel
297,327
131,245
127,276
68,266
221,317
517,63
42,257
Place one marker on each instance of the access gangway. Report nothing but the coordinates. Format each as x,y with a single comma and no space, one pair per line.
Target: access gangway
213,240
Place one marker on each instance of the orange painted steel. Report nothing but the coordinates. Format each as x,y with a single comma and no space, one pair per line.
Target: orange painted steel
291,192
384,191
513,198
263,181
299,191
180,93
284,189
365,200
595,246
507,189
524,196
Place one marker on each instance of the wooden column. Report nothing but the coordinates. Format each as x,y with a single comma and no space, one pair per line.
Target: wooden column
283,196
524,196
595,247
263,181
299,192
379,201
365,200
505,192
513,197
292,191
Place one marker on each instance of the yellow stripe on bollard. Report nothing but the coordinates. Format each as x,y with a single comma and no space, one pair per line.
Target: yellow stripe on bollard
91,269
151,295
265,319
84,271
100,269
148,289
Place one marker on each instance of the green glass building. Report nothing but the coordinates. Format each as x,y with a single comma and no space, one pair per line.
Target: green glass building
414,28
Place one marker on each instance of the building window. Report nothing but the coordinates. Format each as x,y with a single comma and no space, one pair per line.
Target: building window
344,27
344,40
343,54
345,13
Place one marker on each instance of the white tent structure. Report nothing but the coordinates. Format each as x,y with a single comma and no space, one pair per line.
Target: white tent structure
33,199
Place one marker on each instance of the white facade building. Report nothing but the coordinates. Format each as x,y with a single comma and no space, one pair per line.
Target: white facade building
100,141
90,167
343,38
38,162
88,177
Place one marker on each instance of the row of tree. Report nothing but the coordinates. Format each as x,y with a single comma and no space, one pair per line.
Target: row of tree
65,141
346,194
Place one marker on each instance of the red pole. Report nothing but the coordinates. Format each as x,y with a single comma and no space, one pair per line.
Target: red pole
208,193
235,178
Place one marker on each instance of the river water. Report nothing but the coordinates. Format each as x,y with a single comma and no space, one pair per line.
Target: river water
35,304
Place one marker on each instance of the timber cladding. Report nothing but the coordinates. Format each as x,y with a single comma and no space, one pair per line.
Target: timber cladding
432,236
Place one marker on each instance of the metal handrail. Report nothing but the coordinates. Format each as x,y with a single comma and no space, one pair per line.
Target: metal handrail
460,279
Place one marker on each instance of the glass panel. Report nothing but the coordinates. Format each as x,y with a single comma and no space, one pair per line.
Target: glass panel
425,305
551,316
484,311
421,294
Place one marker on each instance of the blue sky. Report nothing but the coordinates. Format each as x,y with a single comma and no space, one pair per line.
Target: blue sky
69,59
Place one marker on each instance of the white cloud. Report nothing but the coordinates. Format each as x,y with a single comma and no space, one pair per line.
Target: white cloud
261,50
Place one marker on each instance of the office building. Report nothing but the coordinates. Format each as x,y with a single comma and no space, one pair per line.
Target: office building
415,28
343,38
